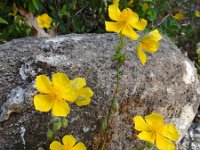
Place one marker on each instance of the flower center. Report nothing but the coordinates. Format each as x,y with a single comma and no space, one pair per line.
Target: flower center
126,14
65,147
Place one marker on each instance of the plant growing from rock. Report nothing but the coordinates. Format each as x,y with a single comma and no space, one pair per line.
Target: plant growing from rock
61,90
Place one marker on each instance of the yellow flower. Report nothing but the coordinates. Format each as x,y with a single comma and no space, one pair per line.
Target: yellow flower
145,6
154,131
83,94
69,143
125,22
178,16
150,43
197,13
55,94
44,21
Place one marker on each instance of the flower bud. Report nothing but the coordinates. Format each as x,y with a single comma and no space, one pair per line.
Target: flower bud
104,124
64,123
57,126
115,106
50,135
121,59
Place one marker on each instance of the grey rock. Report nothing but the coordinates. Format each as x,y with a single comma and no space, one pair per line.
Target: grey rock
191,140
167,84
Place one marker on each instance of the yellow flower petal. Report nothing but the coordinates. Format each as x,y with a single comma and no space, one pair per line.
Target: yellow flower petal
170,132
154,120
150,45
155,35
133,19
69,141
79,146
43,84
141,25
163,144
60,108
78,83
114,12
147,136
63,87
84,95
60,81
141,55
43,103
129,32
83,102
114,26
55,145
69,94
140,124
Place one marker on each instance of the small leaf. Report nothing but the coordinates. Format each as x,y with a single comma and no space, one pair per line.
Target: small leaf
36,3
64,123
56,120
115,106
57,126
50,135
104,124
3,21
63,11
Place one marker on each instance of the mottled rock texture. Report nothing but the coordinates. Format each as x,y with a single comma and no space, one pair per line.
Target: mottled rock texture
167,84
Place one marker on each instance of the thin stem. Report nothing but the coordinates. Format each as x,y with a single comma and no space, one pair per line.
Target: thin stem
119,52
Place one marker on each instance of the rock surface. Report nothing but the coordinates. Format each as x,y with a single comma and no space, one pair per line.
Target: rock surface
167,84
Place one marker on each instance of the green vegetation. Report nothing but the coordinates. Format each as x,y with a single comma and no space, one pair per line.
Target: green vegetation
88,16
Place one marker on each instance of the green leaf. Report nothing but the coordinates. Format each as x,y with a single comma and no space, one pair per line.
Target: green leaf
115,106
57,126
50,135
63,11
104,125
56,120
31,7
36,3
3,21
152,13
64,122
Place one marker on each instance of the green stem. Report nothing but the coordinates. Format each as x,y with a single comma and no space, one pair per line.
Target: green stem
117,52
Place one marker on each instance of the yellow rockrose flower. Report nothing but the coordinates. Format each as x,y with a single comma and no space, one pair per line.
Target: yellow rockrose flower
54,95
44,21
197,13
178,16
125,21
69,143
154,131
83,94
149,43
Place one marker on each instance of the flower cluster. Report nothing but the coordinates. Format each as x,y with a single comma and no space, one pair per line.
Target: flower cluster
125,22
154,131
55,95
